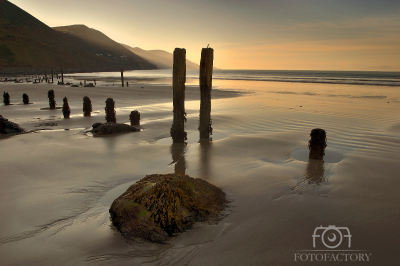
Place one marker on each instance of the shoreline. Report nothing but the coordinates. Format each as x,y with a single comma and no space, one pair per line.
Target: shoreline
59,184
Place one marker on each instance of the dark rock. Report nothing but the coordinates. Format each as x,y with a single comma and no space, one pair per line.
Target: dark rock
111,128
8,127
160,206
95,125
89,85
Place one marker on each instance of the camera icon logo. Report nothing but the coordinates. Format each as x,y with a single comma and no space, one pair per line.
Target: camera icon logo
331,236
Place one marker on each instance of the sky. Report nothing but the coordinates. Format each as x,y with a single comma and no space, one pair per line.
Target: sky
251,34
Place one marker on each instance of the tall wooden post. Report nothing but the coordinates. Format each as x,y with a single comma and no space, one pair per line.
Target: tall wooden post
122,76
45,75
52,81
178,133
206,68
62,76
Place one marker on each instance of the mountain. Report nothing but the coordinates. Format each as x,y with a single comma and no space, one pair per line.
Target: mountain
28,45
160,58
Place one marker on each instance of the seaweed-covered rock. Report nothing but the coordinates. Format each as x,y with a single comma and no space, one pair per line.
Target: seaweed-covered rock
111,128
160,206
8,127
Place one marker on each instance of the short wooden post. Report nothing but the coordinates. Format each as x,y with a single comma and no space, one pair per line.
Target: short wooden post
66,110
6,98
122,76
317,144
87,106
45,76
110,111
51,96
178,133
206,69
25,98
135,118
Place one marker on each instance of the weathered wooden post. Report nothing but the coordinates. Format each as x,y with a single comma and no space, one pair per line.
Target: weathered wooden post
66,110
52,81
6,98
135,118
206,69
51,96
45,76
178,133
25,98
317,144
87,106
62,76
122,76
127,84
178,157
110,111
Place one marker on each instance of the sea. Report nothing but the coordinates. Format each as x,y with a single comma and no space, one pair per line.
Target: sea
164,76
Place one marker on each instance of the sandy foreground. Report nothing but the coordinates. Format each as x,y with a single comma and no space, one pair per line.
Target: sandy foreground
57,184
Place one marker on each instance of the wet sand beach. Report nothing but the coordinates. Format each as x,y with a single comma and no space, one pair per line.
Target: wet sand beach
58,183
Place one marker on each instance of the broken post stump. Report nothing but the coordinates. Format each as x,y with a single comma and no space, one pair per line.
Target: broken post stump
25,98
87,106
317,144
206,69
66,110
51,96
6,98
178,133
110,111
135,118
122,76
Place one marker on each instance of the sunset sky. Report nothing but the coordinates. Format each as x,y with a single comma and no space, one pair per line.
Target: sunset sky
252,34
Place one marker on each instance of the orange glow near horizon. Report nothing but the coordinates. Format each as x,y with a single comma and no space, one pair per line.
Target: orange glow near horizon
260,34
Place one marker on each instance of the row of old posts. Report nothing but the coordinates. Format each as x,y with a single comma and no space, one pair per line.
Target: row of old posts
178,133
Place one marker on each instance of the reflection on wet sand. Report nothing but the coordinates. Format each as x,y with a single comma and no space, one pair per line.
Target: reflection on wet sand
314,176
178,151
205,148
